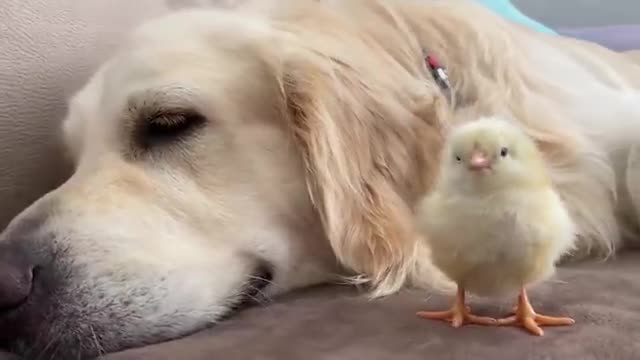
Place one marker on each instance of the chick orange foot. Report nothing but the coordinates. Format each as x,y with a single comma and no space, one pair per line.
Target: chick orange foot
527,318
459,314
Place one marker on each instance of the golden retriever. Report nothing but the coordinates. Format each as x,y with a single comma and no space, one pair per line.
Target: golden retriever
227,154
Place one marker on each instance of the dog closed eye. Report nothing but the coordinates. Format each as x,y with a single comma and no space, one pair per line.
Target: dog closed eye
166,127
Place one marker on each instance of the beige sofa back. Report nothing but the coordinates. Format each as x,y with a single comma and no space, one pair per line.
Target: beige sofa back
48,49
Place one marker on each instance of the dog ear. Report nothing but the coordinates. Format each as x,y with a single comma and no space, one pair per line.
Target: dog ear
371,148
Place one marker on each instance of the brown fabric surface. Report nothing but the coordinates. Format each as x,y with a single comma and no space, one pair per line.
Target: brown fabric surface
338,323
5,356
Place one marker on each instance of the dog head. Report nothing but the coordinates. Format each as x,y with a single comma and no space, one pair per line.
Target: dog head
222,156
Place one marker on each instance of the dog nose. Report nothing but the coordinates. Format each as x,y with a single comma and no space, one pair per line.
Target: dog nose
16,276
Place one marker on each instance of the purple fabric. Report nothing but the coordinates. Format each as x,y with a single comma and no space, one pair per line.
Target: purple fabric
615,37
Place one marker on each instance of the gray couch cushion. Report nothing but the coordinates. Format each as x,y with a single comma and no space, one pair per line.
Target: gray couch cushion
581,13
336,323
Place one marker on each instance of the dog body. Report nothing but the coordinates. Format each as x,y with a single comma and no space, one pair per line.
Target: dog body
222,155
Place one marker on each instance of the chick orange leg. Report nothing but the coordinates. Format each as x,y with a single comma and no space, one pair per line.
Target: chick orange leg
526,317
459,313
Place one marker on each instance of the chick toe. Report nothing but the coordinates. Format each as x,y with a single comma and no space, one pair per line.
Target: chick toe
480,320
526,317
459,314
457,317
554,321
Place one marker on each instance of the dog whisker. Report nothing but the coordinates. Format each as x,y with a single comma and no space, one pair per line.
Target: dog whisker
259,300
97,342
260,278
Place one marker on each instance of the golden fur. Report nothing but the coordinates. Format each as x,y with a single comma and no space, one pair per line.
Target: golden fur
371,121
323,130
634,55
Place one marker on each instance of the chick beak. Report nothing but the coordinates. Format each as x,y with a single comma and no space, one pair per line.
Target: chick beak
479,162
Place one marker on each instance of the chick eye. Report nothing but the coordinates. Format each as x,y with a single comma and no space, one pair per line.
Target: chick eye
458,159
504,152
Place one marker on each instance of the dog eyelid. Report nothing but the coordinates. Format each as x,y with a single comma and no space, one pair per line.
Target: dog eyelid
164,127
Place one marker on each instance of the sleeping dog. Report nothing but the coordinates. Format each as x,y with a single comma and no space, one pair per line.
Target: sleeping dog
223,154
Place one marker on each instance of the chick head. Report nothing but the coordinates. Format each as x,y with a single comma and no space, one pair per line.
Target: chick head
491,153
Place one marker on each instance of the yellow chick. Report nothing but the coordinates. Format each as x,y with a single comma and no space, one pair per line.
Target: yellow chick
494,222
